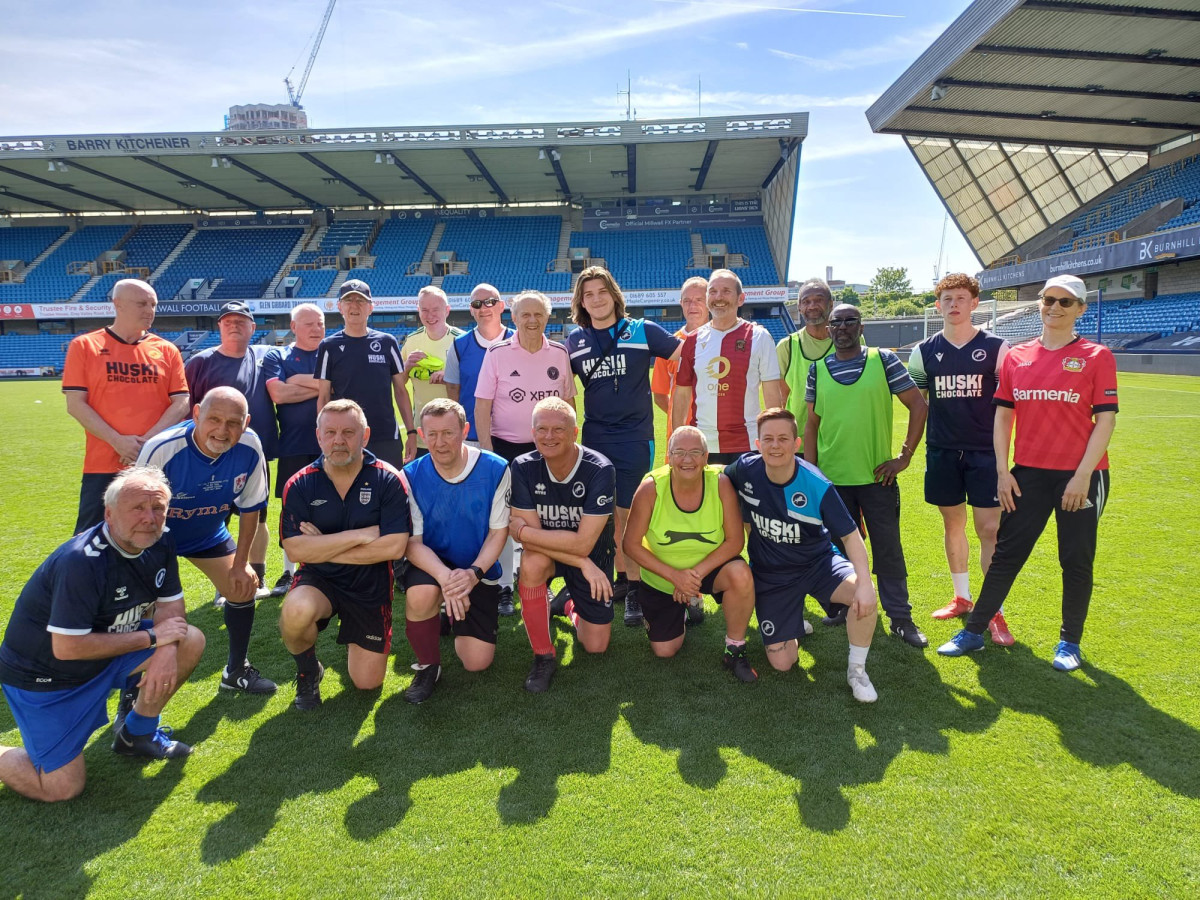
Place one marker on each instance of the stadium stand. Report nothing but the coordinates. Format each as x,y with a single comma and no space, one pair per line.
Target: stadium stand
751,243
27,244
245,259
399,244
49,281
510,252
1127,323
641,261
146,249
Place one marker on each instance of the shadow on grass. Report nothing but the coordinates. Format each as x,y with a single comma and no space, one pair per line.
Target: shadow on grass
1101,720
806,725
121,796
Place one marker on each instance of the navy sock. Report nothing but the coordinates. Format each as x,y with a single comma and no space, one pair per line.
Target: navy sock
137,724
239,620
306,661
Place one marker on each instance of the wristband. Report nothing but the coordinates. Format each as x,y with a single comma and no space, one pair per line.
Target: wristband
478,572
153,638
411,431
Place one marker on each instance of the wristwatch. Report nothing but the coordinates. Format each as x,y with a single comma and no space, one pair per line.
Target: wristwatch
478,572
153,638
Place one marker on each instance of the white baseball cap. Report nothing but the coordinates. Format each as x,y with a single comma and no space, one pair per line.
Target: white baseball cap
1072,283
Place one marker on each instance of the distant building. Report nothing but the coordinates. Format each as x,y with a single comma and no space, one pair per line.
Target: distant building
265,116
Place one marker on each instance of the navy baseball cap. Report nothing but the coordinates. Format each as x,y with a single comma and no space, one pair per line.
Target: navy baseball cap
235,308
354,286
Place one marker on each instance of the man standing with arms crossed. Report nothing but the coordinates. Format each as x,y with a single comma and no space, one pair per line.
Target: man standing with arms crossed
361,364
215,465
562,500
849,436
345,518
612,356
432,342
957,370
721,369
123,385
288,372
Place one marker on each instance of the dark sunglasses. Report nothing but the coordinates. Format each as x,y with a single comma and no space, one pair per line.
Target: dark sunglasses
1064,302
488,302
844,323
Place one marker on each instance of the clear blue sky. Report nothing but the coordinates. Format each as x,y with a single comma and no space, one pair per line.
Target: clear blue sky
165,65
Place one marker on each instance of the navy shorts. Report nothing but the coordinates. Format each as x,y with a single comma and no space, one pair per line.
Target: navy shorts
666,619
589,610
363,621
55,725
632,461
954,475
483,614
216,551
779,598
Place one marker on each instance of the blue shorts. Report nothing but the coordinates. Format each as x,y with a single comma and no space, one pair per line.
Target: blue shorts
226,547
954,475
55,725
632,461
779,599
589,610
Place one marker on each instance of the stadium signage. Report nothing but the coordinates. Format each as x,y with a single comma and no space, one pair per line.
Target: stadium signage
129,145
1178,244
676,217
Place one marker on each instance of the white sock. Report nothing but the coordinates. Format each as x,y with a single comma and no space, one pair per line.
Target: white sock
962,584
858,655
507,560
288,565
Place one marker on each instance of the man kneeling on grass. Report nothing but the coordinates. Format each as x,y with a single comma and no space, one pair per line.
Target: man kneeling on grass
685,531
790,509
79,629
562,501
345,518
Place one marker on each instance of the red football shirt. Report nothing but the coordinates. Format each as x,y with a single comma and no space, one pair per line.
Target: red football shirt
1055,394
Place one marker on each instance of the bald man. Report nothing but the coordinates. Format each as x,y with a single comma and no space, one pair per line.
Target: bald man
123,385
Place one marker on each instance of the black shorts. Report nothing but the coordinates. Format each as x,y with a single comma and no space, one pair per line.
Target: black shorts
364,622
483,614
632,460
665,619
287,466
954,475
510,450
779,596
581,593
91,499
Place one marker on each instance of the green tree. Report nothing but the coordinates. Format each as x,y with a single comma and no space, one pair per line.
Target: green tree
849,295
892,280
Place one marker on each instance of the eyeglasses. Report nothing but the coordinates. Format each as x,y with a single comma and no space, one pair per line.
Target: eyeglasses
489,302
688,454
844,323
1064,302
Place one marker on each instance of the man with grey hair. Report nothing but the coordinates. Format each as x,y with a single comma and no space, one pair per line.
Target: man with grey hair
798,351
466,356
424,353
216,465
80,628
293,388
685,532
123,385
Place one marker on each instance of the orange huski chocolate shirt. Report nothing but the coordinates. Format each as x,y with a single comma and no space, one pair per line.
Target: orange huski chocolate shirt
128,385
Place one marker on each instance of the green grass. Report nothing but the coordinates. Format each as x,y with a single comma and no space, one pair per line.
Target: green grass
987,776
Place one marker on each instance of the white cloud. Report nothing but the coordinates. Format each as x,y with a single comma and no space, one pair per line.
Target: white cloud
902,47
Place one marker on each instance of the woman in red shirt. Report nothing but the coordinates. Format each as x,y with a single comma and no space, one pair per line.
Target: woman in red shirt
1061,392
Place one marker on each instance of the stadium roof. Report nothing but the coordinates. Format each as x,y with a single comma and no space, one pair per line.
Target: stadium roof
1025,110
395,166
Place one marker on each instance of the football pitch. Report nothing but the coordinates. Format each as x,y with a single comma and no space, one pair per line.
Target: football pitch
992,775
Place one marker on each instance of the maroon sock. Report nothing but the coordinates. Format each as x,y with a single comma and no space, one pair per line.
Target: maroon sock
535,611
423,637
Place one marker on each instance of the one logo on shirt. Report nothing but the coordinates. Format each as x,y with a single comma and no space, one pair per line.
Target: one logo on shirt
604,500
514,374
160,577
939,356
718,367
799,499
95,547
154,353
364,495
674,537
626,334
767,627
376,358
552,373
978,355
317,502
1111,392
1073,364
239,483
213,484
539,488
740,345
749,487
577,490
376,346
516,395
122,594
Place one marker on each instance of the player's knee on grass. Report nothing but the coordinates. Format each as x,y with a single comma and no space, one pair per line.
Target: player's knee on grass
421,602
475,655
784,655
592,637
367,669
536,568
666,649
301,609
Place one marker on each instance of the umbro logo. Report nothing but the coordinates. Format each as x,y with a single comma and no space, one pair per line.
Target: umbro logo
317,502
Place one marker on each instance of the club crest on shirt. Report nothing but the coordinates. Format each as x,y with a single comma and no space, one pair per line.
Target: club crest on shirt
578,490
979,355
239,482
1073,364
799,499
552,373
741,346
364,495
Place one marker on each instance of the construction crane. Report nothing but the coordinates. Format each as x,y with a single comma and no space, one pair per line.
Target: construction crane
294,94
937,266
